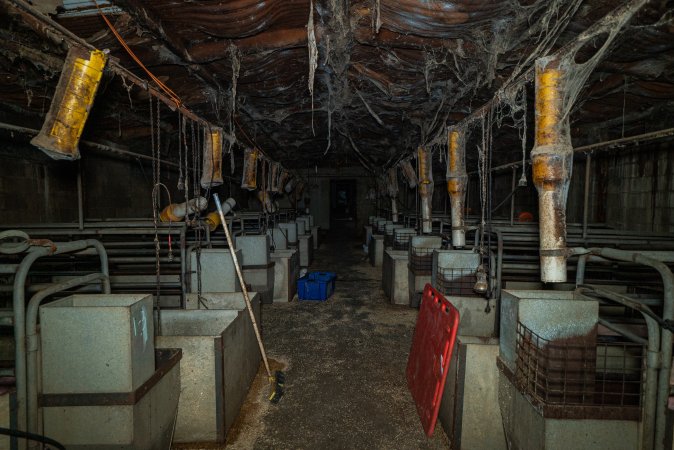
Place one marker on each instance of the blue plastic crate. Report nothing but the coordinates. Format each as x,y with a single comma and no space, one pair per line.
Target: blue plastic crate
316,286
322,276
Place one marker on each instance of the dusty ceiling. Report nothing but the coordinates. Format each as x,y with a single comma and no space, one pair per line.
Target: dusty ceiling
389,74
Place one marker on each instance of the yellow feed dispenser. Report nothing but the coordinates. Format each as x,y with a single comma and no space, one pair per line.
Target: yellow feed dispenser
211,174
75,93
249,177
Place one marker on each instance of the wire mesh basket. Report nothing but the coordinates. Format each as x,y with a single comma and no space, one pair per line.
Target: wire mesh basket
457,282
401,239
605,373
421,260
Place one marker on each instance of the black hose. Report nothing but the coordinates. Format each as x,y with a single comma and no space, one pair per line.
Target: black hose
31,437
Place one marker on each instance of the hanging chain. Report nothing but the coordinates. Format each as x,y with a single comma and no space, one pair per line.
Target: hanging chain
181,179
264,191
482,168
156,195
523,179
155,206
195,189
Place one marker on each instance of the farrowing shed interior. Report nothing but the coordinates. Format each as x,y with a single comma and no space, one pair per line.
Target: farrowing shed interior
338,224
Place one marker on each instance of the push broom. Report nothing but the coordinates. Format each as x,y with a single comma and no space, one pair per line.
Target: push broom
278,378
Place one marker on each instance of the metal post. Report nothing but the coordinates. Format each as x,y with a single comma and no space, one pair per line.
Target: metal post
467,196
80,197
513,185
586,193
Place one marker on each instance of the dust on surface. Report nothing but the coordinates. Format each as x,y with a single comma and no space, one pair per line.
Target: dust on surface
344,362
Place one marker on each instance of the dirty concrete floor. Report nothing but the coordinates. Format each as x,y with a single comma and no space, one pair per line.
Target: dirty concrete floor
345,368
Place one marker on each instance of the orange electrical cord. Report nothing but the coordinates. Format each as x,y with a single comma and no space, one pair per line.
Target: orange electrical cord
174,97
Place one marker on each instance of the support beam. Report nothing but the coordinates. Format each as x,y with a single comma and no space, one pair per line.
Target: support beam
614,144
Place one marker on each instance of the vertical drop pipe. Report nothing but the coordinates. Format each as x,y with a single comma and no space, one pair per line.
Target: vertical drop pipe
457,181
552,161
392,185
211,173
425,188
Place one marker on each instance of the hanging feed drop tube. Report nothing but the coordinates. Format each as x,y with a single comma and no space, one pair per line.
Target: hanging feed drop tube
457,180
249,180
299,190
211,174
408,173
290,185
393,192
75,93
283,178
552,160
425,188
267,204
276,174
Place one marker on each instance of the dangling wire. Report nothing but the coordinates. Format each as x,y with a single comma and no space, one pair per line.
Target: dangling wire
172,95
523,178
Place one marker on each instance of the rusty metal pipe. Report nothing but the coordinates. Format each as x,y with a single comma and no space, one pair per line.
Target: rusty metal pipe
457,182
552,159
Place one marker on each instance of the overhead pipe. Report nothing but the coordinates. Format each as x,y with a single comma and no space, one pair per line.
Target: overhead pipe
425,167
69,110
457,182
176,212
552,160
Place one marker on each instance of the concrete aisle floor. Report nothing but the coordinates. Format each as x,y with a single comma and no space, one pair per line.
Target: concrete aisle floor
345,368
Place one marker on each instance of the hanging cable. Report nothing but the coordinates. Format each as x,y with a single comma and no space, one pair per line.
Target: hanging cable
172,95
156,196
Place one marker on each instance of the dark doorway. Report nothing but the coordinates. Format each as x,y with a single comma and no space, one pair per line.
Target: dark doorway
343,204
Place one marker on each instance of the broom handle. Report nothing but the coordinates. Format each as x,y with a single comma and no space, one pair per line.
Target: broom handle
243,285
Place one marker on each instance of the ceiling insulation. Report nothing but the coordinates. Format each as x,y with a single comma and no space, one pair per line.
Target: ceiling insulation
389,75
